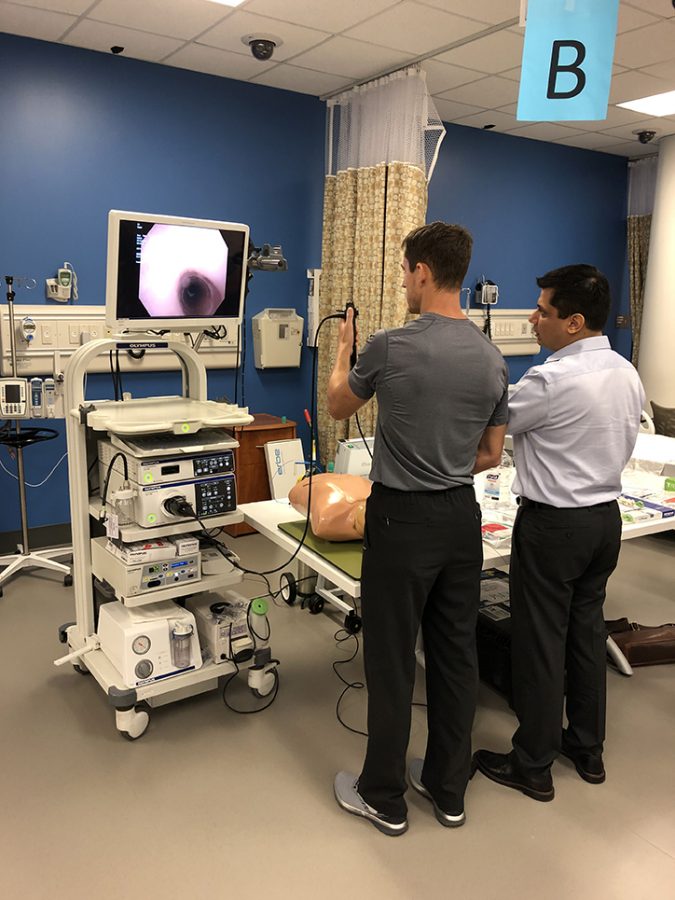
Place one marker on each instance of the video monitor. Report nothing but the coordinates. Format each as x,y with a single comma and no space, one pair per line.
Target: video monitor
166,273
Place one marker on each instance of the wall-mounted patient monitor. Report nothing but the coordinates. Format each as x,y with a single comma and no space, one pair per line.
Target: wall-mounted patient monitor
175,274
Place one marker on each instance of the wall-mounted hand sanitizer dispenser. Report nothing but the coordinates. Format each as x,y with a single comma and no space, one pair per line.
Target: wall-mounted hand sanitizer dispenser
277,338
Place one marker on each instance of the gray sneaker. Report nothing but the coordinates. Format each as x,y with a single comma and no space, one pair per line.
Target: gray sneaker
415,779
348,797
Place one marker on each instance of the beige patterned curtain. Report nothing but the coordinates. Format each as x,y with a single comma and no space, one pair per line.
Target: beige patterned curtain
367,213
641,192
638,251
382,144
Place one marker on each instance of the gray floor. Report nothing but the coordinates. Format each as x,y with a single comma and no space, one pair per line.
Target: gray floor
209,804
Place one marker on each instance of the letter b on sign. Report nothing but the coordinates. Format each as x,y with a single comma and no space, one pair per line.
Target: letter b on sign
574,68
567,60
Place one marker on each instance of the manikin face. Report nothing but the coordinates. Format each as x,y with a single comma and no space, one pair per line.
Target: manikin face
411,286
552,332
183,271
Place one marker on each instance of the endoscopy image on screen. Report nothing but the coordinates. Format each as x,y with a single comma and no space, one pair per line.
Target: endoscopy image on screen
178,271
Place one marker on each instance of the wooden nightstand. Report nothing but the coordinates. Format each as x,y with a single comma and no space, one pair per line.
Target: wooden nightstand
249,461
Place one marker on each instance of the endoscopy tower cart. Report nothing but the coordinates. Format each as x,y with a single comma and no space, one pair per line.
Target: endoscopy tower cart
183,415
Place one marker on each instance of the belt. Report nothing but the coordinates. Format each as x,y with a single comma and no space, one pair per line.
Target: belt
535,504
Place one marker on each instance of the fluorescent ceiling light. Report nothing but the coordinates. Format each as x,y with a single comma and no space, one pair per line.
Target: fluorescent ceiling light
228,2
656,105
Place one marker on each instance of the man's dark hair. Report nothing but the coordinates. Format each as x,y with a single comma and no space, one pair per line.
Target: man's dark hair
579,289
446,249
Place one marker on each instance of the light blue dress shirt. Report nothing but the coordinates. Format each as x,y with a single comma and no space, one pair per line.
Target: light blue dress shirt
574,421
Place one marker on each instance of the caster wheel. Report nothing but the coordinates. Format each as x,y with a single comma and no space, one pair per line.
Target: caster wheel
353,623
1,592
315,605
81,670
134,723
288,590
67,580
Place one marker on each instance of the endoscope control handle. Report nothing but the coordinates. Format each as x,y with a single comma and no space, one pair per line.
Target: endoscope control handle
353,355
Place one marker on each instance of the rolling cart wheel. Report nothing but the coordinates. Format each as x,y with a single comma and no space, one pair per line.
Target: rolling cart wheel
1,592
80,669
288,590
67,580
134,722
353,623
315,604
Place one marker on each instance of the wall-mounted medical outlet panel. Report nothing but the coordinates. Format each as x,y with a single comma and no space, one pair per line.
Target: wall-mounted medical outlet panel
511,330
62,329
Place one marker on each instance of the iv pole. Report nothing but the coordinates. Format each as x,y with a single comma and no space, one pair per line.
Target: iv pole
23,559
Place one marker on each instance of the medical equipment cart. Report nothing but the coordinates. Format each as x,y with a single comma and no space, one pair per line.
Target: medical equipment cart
185,415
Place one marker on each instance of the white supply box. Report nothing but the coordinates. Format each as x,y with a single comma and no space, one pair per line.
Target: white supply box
132,580
285,466
150,643
353,458
277,338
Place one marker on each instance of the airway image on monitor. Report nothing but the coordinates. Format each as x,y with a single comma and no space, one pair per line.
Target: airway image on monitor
178,271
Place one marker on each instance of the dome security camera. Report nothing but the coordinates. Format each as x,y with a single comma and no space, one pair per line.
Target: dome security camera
645,137
262,46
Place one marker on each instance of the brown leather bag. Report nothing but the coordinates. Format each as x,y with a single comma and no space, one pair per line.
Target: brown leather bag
644,645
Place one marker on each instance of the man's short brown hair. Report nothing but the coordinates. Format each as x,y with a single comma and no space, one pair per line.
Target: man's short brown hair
445,248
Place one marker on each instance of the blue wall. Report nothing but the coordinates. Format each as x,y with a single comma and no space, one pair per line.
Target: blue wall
533,206
85,132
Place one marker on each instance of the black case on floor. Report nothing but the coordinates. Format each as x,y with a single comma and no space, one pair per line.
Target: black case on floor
493,633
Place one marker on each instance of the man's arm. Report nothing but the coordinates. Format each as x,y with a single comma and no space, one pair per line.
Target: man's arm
490,448
342,401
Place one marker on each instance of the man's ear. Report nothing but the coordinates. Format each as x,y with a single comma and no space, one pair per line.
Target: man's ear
576,323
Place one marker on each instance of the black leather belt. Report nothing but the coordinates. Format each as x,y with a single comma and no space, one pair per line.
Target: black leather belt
535,504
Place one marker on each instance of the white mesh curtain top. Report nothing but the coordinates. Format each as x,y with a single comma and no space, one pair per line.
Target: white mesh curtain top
642,186
391,119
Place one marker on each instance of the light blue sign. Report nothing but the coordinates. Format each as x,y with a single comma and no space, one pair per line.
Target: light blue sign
567,60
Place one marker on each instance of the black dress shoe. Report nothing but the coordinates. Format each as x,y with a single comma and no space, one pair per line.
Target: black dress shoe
501,767
588,765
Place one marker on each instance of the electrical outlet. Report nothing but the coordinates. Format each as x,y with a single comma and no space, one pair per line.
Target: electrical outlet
74,332
47,331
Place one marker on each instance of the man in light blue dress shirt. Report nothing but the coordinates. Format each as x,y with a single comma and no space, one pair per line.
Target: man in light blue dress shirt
574,422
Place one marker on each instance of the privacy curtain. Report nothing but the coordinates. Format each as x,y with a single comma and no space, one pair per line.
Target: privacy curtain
641,189
382,144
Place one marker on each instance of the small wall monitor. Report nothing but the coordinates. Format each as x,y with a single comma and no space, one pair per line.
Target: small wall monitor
167,273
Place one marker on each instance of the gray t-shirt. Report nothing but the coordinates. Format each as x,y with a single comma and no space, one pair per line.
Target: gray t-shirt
439,384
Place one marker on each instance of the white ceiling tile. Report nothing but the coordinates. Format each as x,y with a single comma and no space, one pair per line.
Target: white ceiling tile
645,46
489,92
304,81
35,23
173,18
543,131
615,117
228,34
489,11
449,111
442,76
326,15
630,18
500,120
623,149
414,28
137,44
658,7
592,140
633,85
74,7
216,62
661,126
664,70
354,59
494,53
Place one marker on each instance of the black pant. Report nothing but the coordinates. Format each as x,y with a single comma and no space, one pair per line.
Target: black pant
560,562
421,563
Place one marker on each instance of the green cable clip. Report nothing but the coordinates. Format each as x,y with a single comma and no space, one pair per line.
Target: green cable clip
259,607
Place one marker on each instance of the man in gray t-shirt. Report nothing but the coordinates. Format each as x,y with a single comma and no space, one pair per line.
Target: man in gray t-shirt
442,396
